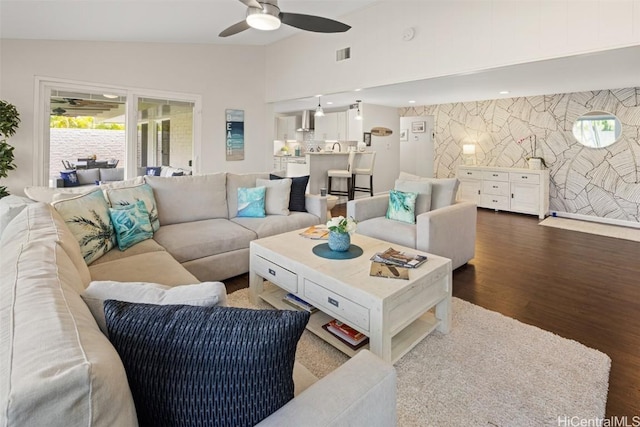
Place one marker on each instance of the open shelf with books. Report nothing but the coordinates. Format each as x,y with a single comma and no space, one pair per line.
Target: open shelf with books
274,295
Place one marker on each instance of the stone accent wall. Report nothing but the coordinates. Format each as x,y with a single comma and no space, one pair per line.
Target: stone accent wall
601,182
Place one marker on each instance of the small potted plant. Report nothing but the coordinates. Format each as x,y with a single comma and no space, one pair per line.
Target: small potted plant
340,230
9,121
534,161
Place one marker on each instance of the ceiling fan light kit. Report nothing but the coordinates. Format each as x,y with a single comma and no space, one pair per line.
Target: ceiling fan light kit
265,18
265,15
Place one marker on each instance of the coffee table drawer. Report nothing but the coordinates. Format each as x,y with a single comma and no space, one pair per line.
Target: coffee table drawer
352,313
276,274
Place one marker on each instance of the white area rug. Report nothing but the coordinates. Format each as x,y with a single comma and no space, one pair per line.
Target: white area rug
608,230
490,370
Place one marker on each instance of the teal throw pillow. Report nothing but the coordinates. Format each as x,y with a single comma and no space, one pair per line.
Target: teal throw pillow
402,206
126,196
251,202
131,223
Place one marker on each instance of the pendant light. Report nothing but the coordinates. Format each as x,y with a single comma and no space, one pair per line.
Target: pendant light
358,114
319,110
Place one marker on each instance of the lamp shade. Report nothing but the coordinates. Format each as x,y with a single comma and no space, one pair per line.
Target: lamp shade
469,149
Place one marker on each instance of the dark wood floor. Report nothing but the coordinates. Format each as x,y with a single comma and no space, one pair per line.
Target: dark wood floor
580,286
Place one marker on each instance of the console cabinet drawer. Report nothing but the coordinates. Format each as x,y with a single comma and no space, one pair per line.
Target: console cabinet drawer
352,313
469,174
499,188
494,202
529,178
276,274
495,176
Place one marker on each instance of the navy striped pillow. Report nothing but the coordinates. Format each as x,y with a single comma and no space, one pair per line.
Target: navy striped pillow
297,200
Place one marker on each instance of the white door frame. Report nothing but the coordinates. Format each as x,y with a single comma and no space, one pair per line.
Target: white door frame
42,96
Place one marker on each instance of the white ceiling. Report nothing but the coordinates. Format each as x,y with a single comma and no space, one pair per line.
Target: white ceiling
188,21
163,21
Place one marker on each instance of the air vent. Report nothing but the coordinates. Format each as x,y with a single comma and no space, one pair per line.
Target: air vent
343,54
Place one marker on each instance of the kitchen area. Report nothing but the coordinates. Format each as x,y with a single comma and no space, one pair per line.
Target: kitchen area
309,144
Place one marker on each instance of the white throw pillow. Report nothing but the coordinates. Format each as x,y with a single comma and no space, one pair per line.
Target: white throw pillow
277,197
87,216
443,191
423,188
206,294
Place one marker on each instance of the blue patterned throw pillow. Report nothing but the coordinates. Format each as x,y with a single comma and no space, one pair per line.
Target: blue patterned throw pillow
70,178
153,170
130,195
205,366
251,202
131,224
402,206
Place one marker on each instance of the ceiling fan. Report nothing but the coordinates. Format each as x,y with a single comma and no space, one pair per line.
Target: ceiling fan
266,15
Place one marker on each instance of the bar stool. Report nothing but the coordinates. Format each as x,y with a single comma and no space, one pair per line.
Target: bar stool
343,173
367,170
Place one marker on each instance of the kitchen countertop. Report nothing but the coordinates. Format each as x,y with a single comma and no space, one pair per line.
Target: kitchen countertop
341,152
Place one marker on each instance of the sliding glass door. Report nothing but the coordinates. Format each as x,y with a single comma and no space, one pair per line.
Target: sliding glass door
120,127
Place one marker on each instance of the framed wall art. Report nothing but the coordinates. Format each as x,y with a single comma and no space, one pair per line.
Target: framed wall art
234,134
404,134
418,127
366,137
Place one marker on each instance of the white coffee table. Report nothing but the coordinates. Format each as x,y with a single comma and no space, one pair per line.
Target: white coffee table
395,314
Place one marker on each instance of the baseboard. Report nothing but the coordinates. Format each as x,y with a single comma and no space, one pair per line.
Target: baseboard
610,221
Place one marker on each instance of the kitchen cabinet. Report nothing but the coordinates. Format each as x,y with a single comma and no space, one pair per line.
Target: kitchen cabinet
331,126
507,189
286,127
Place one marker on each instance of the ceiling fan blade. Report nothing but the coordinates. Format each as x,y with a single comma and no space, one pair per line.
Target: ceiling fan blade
235,29
313,23
251,3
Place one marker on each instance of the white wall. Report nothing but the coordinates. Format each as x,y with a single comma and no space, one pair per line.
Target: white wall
225,77
416,154
387,148
451,37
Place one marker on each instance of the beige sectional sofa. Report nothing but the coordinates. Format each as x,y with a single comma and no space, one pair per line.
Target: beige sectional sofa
58,369
198,225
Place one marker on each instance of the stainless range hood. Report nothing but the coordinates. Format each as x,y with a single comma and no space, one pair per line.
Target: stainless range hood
307,121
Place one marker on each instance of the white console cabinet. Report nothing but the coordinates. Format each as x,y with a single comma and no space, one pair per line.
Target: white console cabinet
505,189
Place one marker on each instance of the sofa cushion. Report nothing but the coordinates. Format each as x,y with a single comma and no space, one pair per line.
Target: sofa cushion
277,196
205,294
159,267
443,191
131,224
57,367
423,188
235,181
251,202
401,233
143,247
402,206
217,366
111,174
87,216
199,239
298,190
88,176
128,195
45,194
189,198
10,207
276,224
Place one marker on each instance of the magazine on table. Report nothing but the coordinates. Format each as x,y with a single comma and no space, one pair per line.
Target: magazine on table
399,258
299,303
316,232
381,269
